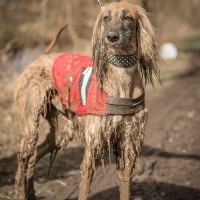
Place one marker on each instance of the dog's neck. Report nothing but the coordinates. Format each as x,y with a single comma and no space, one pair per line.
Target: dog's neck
124,82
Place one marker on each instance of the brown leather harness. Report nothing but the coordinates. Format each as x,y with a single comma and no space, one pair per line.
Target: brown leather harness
124,106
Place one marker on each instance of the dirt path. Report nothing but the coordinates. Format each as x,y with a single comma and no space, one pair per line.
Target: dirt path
169,168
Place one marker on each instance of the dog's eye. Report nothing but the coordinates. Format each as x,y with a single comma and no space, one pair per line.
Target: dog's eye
106,18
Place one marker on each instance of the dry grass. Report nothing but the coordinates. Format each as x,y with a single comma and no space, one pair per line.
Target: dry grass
8,128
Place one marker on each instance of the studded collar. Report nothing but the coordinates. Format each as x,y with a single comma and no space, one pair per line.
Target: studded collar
122,61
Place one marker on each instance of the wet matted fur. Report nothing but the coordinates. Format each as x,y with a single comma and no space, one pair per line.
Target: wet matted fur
122,29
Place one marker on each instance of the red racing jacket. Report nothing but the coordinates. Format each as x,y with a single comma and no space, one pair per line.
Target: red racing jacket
76,82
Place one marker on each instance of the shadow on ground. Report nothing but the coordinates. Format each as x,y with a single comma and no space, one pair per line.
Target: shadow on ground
70,160
151,191
65,161
150,151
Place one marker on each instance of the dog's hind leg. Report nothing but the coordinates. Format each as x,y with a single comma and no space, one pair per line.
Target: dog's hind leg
49,144
26,157
24,176
25,188
30,99
62,130
29,153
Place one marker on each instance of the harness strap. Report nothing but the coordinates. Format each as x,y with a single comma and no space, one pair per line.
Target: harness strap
124,106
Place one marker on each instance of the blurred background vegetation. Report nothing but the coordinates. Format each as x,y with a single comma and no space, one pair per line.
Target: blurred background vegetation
35,22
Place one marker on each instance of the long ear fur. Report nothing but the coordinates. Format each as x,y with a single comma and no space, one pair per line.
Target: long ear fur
99,49
149,58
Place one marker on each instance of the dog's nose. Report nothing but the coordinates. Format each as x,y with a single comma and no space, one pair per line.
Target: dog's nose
112,36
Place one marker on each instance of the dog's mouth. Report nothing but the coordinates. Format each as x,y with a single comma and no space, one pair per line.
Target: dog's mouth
116,44
112,43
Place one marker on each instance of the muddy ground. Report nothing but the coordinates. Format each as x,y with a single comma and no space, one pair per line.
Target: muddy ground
169,168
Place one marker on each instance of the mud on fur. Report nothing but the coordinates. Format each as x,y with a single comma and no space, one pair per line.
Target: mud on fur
36,96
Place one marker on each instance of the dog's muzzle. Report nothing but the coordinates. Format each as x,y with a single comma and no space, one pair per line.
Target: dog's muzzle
112,38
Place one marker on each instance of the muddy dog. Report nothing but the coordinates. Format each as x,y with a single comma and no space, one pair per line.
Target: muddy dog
125,58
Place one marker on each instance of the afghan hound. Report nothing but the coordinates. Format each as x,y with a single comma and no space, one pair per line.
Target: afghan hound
100,99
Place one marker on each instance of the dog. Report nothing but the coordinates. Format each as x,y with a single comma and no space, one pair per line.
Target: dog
124,59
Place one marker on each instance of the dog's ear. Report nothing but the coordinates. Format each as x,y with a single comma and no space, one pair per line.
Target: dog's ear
149,58
99,48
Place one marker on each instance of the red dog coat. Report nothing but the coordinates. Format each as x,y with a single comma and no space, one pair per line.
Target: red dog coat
76,82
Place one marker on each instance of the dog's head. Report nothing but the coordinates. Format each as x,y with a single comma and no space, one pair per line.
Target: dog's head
124,28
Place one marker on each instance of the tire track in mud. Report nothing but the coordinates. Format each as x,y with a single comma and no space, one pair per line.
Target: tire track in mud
164,117
159,112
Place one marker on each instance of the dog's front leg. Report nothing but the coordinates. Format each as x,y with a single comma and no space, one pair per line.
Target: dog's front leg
125,176
87,171
125,179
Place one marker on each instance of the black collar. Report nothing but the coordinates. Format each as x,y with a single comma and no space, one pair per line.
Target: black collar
122,60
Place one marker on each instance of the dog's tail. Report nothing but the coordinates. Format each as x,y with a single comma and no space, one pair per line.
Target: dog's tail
55,39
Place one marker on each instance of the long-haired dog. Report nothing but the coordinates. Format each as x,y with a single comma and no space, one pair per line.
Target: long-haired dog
124,58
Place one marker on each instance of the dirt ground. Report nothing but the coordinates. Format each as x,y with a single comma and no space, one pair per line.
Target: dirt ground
169,168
